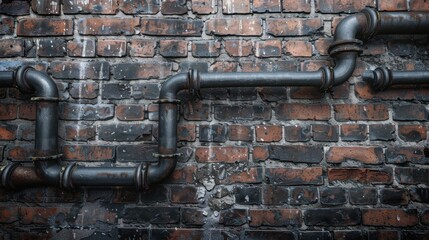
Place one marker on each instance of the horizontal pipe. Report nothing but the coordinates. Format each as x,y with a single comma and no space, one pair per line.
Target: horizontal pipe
103,176
7,79
381,78
403,23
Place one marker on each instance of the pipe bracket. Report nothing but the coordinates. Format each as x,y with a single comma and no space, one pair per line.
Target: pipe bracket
348,45
66,173
52,157
166,100
171,155
45,99
5,174
194,83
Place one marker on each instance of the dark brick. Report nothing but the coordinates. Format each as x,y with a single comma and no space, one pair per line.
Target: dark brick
233,217
184,194
348,235
88,152
333,196
225,154
206,49
70,111
297,133
294,176
361,112
272,94
402,48
213,133
200,66
269,234
240,133
145,70
382,132
332,217
193,216
214,93
85,90
92,7
366,155
116,91
275,217
304,195
19,152
51,47
353,132
418,5
171,27
172,7
274,195
173,48
196,110
236,6
325,133
385,217
142,48
130,112
296,153
125,132
111,48
8,131
420,195
8,111
80,70
282,27
412,133
306,93
79,133
395,196
224,67
11,48
248,195
242,94
9,214
425,217
397,154
139,7
268,48
363,196
7,25
410,175
145,91
237,27
297,111
296,6
15,8
311,235
153,215
410,112
337,6
242,113
383,235
46,7
130,233
396,5
26,132
361,175
415,235
267,6
176,233
32,27
238,48
108,26
134,152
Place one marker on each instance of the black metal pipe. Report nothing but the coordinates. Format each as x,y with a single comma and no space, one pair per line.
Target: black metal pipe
103,176
7,79
403,23
381,78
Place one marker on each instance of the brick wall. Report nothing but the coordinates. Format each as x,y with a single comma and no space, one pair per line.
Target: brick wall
257,163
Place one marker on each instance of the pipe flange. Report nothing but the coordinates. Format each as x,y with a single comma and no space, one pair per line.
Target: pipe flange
45,99
140,176
5,174
66,173
348,45
380,78
373,22
172,155
52,157
166,100
327,78
20,80
194,82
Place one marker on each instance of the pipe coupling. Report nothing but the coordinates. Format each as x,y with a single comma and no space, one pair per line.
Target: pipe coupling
348,45
5,173
380,78
140,176
328,80
66,176
20,80
194,83
372,23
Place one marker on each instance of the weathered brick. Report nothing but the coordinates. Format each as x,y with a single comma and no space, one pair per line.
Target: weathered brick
15,8
322,45
130,112
203,6
325,133
116,91
54,47
82,48
242,113
412,133
420,195
8,132
268,48
336,6
108,26
425,217
235,6
145,90
332,217
11,48
26,132
282,27
141,70
296,6
186,132
401,47
268,133
310,235
268,66
21,152
384,217
267,6
153,215
179,233
243,94
133,152
8,111
139,7
419,5
79,132
213,133
348,235
361,112
240,133
226,154
89,152
299,48
7,25
269,234
252,175
233,217
297,111
184,194
172,7
80,70
333,196
410,112
142,48
43,215
193,216
411,175
91,6
32,27
296,153
272,94
395,5
223,67
196,110
173,48
295,176
303,195
260,153
274,195
275,217
206,49
297,133
9,214
366,155
395,196
363,196
123,196
361,175
364,91
306,93
354,132
400,155
111,48
237,27
313,65
125,132
171,27
238,48
70,111
415,234
247,195
382,132
85,90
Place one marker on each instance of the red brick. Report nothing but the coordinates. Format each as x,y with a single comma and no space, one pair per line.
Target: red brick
203,6
322,45
364,91
7,25
419,5
268,133
226,154
275,217
384,217
354,132
164,27
108,26
361,175
240,133
111,48
71,111
91,6
237,27
79,133
173,48
88,152
384,235
182,175
250,175
296,153
233,217
306,93
142,48
141,70
304,195
8,111
296,111
8,132
83,48
281,27
268,234
361,112
366,155
295,176
313,65
267,6
206,48
238,48
296,6
425,217
244,112
412,133
130,112
260,153
224,67
85,90
299,48
235,6
45,27
139,7
184,194
336,6
268,48
186,132
178,233
11,48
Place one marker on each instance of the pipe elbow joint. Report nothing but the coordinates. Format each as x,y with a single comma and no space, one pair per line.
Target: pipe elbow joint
30,80
173,85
